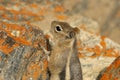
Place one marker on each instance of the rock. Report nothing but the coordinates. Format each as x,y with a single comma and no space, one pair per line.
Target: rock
22,56
112,72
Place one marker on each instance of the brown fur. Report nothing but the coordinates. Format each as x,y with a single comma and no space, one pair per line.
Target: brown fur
63,52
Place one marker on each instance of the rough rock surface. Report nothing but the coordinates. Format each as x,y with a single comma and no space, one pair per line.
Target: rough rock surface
21,54
96,53
112,72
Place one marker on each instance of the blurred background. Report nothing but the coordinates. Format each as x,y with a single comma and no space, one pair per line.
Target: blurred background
104,14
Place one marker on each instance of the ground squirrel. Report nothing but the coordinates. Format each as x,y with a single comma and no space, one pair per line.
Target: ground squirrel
63,61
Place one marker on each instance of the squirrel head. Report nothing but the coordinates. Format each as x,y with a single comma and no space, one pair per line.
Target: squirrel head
63,30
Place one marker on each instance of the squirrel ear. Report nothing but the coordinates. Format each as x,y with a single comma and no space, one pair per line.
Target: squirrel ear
76,30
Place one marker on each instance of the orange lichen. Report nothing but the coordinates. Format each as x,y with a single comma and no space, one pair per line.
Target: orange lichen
117,63
42,11
105,77
79,49
59,9
109,71
24,77
116,78
110,75
78,43
10,27
22,41
14,11
21,37
24,12
34,70
34,5
2,8
17,4
13,27
45,66
82,26
80,55
7,49
103,44
108,53
109,68
36,74
61,17
5,16
89,49
96,50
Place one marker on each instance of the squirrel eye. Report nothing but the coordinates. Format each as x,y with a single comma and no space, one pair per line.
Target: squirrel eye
58,28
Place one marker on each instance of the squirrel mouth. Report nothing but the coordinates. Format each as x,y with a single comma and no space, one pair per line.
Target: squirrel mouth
67,37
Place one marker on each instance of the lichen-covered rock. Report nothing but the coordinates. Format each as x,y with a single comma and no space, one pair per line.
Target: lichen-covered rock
96,53
21,52
112,72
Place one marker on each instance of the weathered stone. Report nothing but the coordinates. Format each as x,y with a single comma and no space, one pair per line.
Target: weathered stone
22,56
112,72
